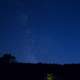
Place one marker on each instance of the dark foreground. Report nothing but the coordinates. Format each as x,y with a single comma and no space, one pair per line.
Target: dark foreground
21,71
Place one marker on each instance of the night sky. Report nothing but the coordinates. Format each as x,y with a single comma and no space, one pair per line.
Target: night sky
45,31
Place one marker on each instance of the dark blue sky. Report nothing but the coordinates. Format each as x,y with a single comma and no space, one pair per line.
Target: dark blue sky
41,30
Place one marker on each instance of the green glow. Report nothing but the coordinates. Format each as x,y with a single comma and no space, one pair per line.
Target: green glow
50,76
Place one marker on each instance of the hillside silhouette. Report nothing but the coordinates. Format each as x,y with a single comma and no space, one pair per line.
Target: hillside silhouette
12,69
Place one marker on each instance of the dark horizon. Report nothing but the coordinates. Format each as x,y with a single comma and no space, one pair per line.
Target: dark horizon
10,57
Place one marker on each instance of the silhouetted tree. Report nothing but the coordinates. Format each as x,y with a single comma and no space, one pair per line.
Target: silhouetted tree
8,58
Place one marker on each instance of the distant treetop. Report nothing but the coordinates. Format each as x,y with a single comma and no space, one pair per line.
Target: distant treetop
8,58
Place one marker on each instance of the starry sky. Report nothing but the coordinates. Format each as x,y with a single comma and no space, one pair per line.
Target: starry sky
46,31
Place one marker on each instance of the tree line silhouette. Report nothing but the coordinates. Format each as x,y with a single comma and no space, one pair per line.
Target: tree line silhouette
37,71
